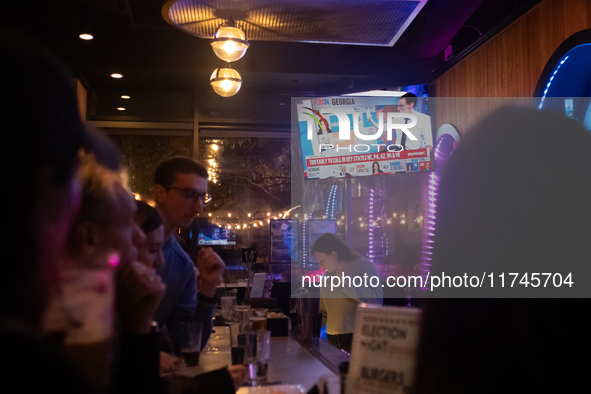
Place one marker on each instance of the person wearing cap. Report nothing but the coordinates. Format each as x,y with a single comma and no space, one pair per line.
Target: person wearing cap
46,133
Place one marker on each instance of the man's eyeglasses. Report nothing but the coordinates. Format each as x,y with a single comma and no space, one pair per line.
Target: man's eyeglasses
192,194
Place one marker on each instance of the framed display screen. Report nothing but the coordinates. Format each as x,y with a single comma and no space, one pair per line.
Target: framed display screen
363,136
284,240
315,229
215,235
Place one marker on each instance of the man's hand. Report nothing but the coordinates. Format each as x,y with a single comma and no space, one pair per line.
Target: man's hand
139,292
210,266
169,363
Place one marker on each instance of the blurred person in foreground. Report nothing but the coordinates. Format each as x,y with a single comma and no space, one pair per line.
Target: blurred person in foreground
39,166
180,192
103,242
501,209
339,305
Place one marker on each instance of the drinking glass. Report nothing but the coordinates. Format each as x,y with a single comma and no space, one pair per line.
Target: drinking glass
259,320
191,342
257,348
237,342
228,304
243,314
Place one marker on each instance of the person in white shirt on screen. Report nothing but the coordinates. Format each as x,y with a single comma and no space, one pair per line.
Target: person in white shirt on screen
344,171
422,130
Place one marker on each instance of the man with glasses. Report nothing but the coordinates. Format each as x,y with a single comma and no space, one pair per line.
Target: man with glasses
180,192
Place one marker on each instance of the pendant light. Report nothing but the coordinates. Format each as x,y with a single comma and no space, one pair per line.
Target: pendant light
226,81
229,42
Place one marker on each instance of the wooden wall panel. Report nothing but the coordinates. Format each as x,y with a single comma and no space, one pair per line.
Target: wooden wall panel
81,96
510,64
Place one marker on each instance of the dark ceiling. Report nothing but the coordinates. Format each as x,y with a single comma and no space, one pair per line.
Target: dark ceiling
166,70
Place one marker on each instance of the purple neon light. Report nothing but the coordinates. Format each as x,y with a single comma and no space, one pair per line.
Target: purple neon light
370,254
441,157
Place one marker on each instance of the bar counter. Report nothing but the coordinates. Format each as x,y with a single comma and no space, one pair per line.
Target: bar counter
291,361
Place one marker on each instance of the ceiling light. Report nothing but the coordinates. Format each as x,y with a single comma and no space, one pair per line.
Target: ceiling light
226,81
229,42
125,97
120,109
116,75
86,36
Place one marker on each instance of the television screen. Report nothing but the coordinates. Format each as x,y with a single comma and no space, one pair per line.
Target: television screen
215,235
284,240
363,136
315,229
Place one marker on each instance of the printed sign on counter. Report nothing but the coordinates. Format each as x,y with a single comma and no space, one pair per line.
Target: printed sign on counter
384,350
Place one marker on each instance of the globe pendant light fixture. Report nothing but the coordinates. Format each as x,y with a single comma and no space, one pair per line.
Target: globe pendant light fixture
226,81
229,42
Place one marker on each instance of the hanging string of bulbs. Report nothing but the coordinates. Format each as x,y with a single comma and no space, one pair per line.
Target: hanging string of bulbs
229,44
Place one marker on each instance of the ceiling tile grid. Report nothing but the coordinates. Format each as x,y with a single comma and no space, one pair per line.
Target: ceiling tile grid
355,22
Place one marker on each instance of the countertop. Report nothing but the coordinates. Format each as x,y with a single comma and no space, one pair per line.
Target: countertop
290,362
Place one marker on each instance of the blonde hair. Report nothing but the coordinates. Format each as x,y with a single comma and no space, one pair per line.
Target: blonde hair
101,188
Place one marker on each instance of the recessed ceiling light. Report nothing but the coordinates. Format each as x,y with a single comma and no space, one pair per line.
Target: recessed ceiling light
86,36
120,109
125,97
116,75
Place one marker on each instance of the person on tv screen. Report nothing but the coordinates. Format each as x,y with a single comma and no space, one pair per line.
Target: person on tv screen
375,168
422,130
344,172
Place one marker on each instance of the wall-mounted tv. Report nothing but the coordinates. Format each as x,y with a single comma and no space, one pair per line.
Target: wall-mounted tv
284,240
315,229
214,235
363,136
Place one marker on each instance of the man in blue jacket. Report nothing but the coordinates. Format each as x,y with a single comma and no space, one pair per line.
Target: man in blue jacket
180,192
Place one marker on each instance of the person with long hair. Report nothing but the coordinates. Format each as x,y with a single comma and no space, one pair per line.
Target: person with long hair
375,168
339,305
150,222
499,215
150,254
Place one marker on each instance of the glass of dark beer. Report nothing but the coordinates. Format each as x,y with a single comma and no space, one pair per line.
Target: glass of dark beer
237,341
191,343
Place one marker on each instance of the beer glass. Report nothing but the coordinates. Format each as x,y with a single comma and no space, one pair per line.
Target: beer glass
228,304
259,320
257,349
191,342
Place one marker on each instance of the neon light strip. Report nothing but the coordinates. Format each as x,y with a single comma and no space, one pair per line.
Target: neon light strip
370,253
550,81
